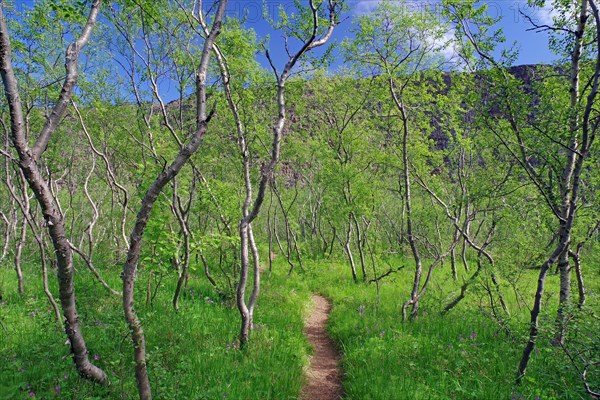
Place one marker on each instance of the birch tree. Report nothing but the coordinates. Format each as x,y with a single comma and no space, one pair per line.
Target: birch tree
399,44
316,36
187,149
554,164
29,163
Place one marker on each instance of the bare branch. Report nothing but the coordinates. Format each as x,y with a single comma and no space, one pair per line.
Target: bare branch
71,60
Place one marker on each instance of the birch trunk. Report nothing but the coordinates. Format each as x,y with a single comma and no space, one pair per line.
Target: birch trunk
28,163
135,242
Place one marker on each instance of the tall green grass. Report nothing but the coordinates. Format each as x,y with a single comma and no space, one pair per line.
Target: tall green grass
463,355
192,354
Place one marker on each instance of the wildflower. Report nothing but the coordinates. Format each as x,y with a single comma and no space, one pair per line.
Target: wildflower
381,333
96,357
57,390
449,345
66,376
232,345
473,336
32,394
361,310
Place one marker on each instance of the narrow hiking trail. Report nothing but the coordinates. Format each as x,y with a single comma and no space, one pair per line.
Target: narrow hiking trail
324,373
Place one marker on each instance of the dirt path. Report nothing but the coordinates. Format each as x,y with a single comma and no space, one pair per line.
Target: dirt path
324,373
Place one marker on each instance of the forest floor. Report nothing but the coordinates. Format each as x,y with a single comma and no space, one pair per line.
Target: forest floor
324,373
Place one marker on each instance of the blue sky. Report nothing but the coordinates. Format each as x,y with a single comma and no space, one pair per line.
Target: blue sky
533,47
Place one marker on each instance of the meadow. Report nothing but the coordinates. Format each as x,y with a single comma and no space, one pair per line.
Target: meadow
195,354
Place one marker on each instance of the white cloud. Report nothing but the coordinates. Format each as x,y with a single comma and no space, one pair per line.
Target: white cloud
368,6
443,46
540,15
547,14
365,6
448,45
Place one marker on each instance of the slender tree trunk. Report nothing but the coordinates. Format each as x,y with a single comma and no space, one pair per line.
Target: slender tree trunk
348,250
463,253
256,271
22,237
298,252
499,292
8,182
241,288
247,310
453,257
270,233
414,299
206,270
537,304
64,259
288,230
182,214
333,236
19,252
28,162
570,177
183,276
564,298
463,288
249,214
135,242
359,241
576,256
25,206
7,234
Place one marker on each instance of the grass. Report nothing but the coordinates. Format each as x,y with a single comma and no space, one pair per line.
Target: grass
193,354
463,355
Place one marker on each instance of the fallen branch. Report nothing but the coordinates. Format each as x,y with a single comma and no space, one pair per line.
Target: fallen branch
391,271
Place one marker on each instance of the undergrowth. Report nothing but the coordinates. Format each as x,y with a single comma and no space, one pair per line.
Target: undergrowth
462,355
194,353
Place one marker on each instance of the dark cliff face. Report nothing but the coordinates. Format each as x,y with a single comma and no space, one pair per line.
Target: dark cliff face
440,132
527,74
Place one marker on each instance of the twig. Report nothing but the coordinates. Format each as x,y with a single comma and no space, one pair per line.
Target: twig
391,271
